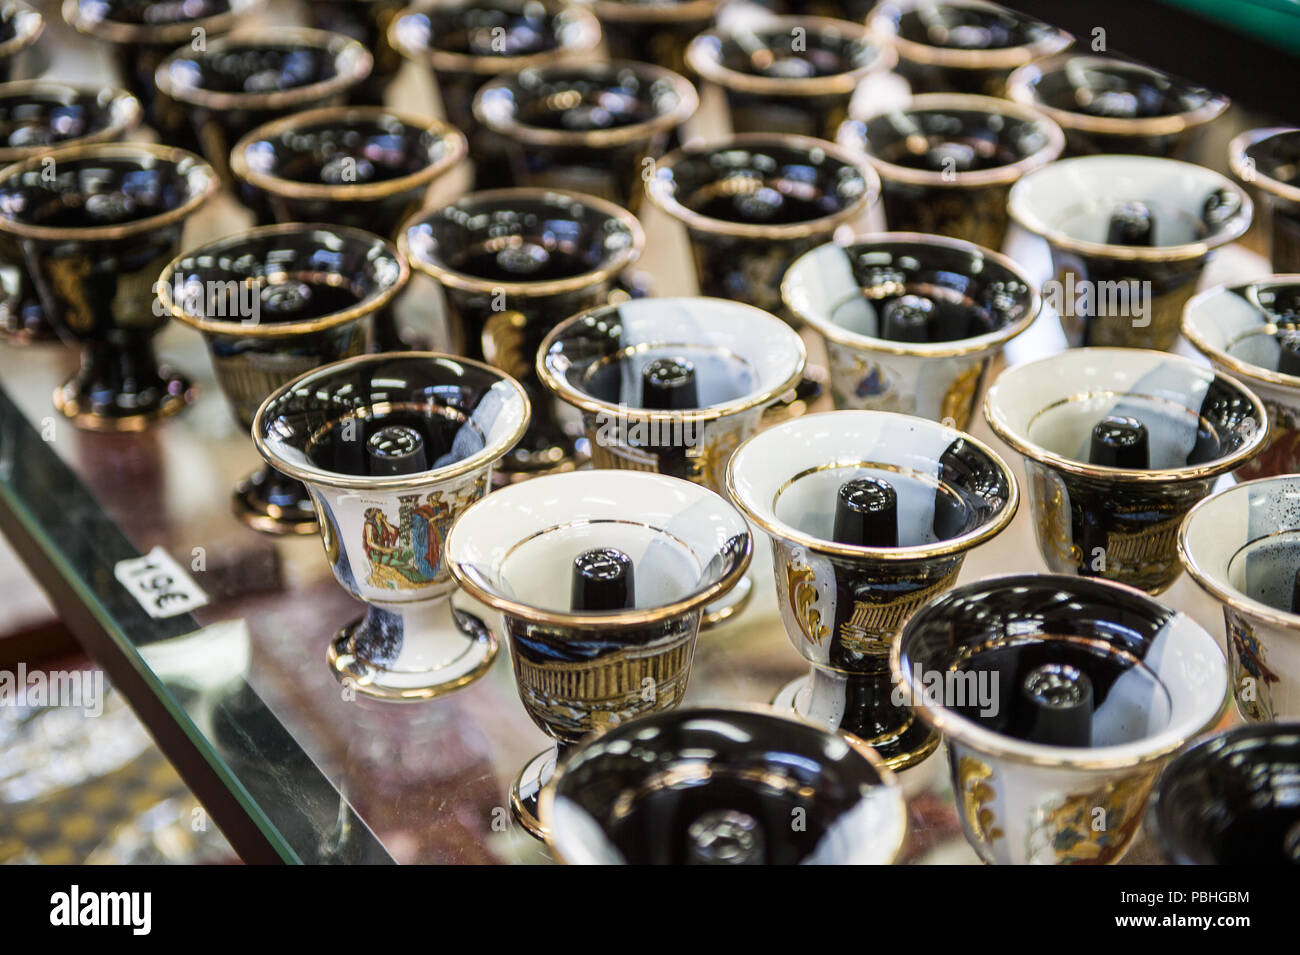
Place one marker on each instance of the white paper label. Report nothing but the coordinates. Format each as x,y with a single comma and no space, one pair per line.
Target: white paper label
159,584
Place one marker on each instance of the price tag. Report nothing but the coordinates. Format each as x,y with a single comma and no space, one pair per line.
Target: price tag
159,584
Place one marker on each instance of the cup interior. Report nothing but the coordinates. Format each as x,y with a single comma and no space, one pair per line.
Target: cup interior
1234,799
763,183
350,148
1152,675
49,114
117,187
258,67
722,786
324,425
1080,199
1192,416
953,138
520,544
1248,323
280,277
574,98
876,288
946,486
1113,89
153,12
970,26
1277,156
767,51
736,351
519,237
499,28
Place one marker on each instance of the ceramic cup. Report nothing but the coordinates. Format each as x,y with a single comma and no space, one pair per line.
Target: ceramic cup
1242,547
1060,700
1108,105
1119,444
789,74
911,322
238,82
714,786
36,117
367,22
673,386
652,31
962,46
1249,331
393,448
947,162
600,578
20,27
1130,237
1232,799
513,263
591,127
465,43
1267,159
143,33
272,304
95,237
870,515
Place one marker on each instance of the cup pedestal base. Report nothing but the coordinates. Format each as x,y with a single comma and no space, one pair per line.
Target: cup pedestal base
269,502
527,788
122,392
415,653
821,697
728,606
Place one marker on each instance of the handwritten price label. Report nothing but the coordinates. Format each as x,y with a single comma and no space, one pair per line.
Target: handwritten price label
159,584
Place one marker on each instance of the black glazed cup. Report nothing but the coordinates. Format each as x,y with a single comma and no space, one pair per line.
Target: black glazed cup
465,43
590,127
367,22
713,786
36,117
273,304
513,263
143,33
1269,160
1108,105
947,162
1232,799
241,81
20,27
962,46
652,31
95,238
789,74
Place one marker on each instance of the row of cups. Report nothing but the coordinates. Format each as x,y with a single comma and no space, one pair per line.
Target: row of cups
394,448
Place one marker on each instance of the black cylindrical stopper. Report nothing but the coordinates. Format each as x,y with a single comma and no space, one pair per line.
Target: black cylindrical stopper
396,449
907,319
1120,441
866,513
1288,359
1131,223
724,837
602,580
1059,698
668,384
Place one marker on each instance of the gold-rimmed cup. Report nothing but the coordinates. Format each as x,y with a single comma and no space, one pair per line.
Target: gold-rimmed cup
1268,160
513,263
393,449
465,43
21,25
789,74
962,46
947,161
600,578
39,116
272,304
1105,104
240,81
142,33
95,236
592,127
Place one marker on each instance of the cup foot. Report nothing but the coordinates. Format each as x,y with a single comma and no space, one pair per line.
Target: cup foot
409,685
23,323
521,464
910,743
274,506
728,606
527,789
798,399
124,411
